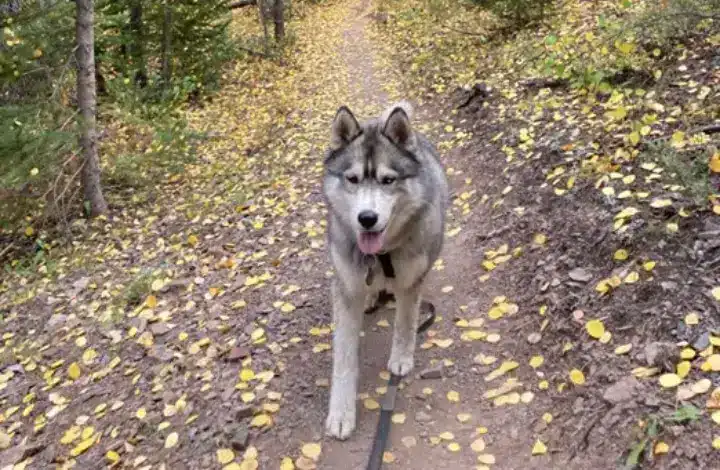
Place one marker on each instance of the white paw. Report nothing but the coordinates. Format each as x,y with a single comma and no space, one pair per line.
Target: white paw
340,422
401,363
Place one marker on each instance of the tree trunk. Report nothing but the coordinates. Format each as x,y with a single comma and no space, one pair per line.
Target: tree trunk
167,45
138,51
263,21
279,17
85,56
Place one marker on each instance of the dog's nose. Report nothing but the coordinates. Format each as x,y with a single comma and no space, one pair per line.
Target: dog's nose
367,218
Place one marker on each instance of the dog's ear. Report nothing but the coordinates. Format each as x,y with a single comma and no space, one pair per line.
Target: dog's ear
344,128
397,127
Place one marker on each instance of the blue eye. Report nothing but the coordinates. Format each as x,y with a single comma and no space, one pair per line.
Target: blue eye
388,180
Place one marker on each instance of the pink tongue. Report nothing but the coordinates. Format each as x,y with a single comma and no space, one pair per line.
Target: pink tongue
370,243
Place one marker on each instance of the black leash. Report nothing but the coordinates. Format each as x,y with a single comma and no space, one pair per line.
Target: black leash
382,433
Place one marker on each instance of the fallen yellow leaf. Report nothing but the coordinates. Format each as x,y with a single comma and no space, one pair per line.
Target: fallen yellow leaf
171,440
311,450
539,448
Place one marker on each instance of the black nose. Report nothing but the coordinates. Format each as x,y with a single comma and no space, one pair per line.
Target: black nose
367,219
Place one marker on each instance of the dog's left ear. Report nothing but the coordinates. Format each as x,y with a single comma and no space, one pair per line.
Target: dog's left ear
398,129
344,128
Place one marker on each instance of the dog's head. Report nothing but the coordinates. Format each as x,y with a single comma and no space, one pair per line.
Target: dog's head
371,175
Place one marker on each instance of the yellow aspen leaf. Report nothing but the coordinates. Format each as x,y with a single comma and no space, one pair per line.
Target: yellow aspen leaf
70,435
660,203
112,456
715,163
547,417
246,375
716,293
715,416
478,445
225,456
312,450
649,265
371,404
682,369
631,278
492,338
606,337
687,353
539,239
661,448
536,361
82,446
453,447
74,371
171,440
539,448
447,436
692,319
141,413
398,418
453,396
711,364
623,349
621,255
151,301
388,457
669,380
595,328
487,459
464,417
260,420
577,377
287,464
716,443
446,289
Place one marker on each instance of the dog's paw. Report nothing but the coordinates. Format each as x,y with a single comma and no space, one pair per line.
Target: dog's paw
340,423
401,364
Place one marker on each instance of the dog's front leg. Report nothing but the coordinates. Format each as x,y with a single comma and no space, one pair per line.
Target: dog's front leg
406,321
348,316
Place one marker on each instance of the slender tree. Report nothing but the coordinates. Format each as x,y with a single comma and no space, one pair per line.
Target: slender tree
86,93
167,44
279,18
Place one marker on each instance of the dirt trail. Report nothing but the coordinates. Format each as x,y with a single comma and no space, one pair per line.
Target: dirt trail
421,442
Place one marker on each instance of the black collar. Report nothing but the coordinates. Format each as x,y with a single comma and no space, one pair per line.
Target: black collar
386,264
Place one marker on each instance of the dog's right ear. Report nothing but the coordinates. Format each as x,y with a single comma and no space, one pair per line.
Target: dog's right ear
344,128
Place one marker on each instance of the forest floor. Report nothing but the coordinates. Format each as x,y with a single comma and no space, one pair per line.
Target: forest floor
578,292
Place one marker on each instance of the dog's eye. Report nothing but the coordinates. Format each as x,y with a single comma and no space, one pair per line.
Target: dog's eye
388,180
352,179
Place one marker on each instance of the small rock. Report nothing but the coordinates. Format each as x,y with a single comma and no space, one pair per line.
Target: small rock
57,320
534,338
161,353
702,341
435,372
243,412
159,329
622,391
580,275
660,354
422,417
237,353
240,438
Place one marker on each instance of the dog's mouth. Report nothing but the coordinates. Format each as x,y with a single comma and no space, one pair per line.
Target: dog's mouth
370,243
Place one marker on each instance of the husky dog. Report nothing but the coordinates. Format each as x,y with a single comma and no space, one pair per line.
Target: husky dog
387,195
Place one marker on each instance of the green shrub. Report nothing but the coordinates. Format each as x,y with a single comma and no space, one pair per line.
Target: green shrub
518,13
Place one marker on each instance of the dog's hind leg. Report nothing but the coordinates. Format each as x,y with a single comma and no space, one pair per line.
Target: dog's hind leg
406,320
348,317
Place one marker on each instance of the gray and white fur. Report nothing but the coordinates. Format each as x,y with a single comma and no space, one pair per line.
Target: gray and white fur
386,192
